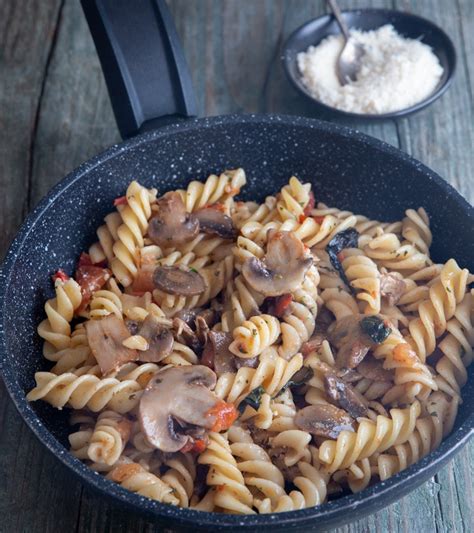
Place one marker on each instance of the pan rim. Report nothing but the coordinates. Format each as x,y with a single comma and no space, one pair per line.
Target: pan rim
369,500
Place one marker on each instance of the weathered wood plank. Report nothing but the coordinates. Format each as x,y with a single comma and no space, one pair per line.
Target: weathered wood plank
233,48
29,476
76,119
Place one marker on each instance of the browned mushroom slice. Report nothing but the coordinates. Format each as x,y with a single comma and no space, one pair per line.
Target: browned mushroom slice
216,352
186,335
392,287
313,344
345,395
105,339
373,369
214,221
160,340
172,224
324,420
346,335
178,280
176,398
283,268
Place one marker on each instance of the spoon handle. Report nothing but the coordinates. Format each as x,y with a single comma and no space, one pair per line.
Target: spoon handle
338,15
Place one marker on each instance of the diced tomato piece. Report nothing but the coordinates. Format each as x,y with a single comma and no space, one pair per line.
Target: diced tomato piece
121,200
319,219
341,256
143,282
91,278
302,218
84,260
310,205
225,415
197,446
61,275
282,303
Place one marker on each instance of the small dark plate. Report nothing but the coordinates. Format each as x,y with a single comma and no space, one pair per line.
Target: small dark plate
406,24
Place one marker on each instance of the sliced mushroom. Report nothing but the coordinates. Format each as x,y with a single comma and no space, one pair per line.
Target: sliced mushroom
179,280
373,369
172,224
216,352
186,335
188,315
345,395
160,340
213,220
283,268
346,335
176,399
105,339
324,420
313,344
392,287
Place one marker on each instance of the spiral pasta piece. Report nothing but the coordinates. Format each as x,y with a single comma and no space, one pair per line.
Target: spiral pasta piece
135,478
444,295
56,329
294,197
456,349
272,373
364,276
296,328
135,216
416,229
224,475
370,437
86,390
180,477
109,438
387,251
215,189
426,437
254,335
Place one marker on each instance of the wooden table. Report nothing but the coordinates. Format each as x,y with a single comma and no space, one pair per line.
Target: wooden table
55,113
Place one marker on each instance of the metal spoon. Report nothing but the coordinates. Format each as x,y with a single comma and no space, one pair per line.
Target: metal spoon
348,63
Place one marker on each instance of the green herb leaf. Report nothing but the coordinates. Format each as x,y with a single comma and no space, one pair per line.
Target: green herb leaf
299,378
348,238
375,328
253,399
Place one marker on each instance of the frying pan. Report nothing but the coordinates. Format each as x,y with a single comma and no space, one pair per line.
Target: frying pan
152,98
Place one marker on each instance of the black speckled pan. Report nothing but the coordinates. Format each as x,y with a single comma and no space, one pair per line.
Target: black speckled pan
346,168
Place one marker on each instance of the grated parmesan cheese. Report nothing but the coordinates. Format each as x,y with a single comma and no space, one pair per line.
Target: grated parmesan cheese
395,73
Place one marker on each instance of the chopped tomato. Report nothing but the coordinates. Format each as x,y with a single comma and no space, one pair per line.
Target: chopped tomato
404,353
91,278
218,206
85,260
196,446
319,219
302,218
310,205
341,256
61,275
225,415
282,303
121,200
143,282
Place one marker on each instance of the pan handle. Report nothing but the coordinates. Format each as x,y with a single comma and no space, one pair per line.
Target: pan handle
143,63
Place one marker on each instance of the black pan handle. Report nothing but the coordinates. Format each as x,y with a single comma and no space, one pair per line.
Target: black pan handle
146,74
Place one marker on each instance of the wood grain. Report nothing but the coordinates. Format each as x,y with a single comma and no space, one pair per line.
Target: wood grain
55,113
